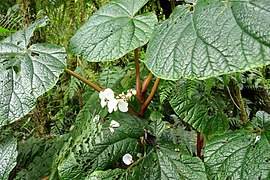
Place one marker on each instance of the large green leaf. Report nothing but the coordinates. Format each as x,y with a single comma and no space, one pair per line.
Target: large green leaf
238,155
162,164
26,72
113,31
201,110
210,39
8,156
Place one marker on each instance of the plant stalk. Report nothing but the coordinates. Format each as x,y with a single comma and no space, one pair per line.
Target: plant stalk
150,97
146,82
96,87
138,77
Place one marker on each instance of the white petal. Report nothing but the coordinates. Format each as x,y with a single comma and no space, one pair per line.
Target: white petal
111,129
127,159
114,124
134,92
103,103
129,95
109,94
122,105
112,105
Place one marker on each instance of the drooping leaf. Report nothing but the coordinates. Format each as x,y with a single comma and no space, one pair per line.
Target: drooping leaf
202,111
8,156
238,155
211,38
113,31
26,72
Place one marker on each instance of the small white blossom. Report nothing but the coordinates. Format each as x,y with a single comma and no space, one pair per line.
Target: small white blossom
134,92
113,124
127,159
257,139
129,95
122,105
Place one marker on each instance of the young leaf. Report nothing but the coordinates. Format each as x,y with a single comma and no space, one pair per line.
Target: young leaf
26,72
238,155
113,31
8,156
209,39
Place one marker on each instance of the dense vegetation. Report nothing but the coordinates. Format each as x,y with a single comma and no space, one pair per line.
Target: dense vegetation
134,89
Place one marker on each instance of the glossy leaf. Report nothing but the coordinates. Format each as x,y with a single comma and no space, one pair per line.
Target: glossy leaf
210,39
238,155
113,31
26,72
8,156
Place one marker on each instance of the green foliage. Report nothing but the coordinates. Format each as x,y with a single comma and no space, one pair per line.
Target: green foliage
8,155
35,157
210,38
113,31
198,108
200,40
26,72
238,155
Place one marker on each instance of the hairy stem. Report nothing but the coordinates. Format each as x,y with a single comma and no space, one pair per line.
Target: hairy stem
138,76
146,82
96,87
150,97
239,100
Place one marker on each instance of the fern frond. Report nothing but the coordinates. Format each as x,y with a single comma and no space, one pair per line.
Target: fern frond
166,88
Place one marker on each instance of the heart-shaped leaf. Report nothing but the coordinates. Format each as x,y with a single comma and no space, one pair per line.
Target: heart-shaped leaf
113,31
211,38
238,155
26,72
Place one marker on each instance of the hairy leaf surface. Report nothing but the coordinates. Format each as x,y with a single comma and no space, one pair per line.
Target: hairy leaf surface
238,155
202,111
210,39
26,72
8,156
113,31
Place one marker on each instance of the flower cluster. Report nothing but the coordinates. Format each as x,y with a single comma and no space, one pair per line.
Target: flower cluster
120,102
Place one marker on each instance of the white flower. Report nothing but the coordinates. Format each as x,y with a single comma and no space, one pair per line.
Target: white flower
257,139
122,105
113,124
134,92
112,105
106,94
127,159
129,95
